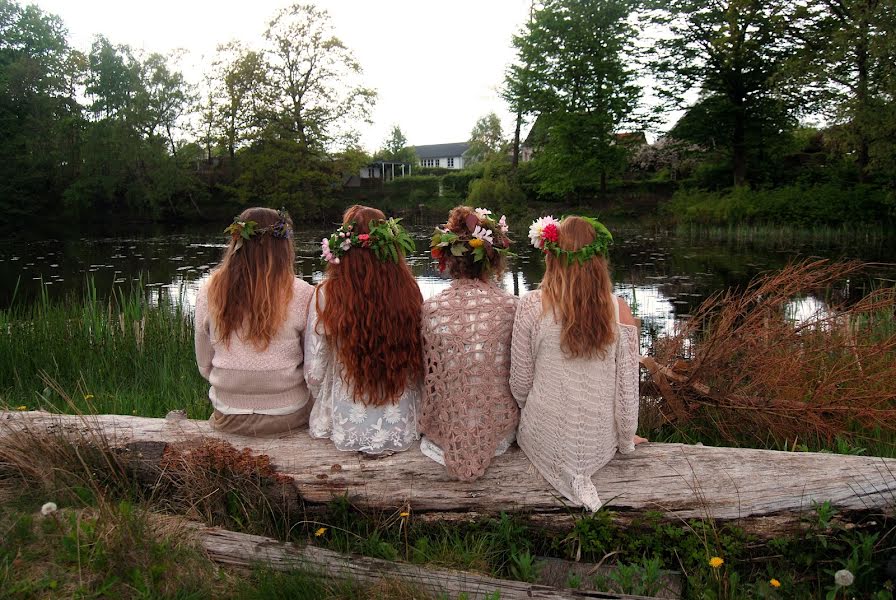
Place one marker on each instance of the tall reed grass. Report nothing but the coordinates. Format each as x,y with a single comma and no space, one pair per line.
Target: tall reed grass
120,355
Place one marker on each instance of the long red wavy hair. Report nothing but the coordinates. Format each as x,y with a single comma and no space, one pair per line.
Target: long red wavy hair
580,295
249,292
372,317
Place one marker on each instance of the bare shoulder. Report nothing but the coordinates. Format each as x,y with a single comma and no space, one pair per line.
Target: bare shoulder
625,313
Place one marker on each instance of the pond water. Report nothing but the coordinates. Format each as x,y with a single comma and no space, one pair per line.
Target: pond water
663,276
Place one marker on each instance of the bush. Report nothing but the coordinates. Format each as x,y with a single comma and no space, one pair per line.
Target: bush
413,189
796,205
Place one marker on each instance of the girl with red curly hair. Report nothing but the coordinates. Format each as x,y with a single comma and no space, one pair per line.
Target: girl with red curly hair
363,355
250,318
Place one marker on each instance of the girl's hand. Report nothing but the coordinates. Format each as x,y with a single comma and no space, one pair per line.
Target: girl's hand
638,440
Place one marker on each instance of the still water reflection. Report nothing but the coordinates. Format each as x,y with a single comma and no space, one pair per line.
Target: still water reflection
662,276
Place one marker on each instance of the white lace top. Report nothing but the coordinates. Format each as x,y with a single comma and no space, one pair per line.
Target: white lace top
576,412
352,425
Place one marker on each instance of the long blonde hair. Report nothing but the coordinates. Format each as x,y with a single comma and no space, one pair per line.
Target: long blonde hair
580,295
250,290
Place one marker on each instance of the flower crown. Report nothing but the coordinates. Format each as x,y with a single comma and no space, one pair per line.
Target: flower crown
246,230
545,232
488,236
387,239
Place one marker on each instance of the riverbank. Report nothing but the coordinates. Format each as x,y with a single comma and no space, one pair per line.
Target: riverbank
110,540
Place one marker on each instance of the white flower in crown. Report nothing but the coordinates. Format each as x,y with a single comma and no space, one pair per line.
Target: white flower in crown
537,228
503,224
482,213
346,244
480,233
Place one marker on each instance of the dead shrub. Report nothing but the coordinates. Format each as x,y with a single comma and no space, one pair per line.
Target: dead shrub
742,368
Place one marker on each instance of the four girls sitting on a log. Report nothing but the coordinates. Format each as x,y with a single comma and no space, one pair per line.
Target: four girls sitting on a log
374,366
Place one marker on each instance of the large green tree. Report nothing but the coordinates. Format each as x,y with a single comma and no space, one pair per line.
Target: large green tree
313,101
574,72
847,58
733,53
487,139
39,116
396,148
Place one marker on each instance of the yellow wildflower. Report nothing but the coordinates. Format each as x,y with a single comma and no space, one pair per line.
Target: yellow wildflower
88,396
404,514
716,561
320,532
476,242
23,407
774,583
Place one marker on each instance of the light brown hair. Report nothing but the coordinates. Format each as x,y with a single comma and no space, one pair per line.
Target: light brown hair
372,317
249,292
580,295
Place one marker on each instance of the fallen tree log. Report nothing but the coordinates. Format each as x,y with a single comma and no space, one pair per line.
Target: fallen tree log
244,550
765,492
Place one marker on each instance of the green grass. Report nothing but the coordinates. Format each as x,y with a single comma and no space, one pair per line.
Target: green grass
785,236
121,356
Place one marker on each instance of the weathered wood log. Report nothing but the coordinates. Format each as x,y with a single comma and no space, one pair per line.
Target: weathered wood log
244,550
766,492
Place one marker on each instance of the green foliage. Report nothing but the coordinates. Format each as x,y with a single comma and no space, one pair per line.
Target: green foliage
573,72
124,356
486,140
396,149
733,52
413,188
807,207
499,192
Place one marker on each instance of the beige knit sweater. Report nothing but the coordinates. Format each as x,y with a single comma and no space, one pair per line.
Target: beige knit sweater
576,412
246,381
467,408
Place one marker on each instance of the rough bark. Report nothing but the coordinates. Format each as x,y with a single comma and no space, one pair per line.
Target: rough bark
765,492
244,550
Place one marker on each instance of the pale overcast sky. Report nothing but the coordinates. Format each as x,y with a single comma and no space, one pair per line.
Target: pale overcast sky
436,67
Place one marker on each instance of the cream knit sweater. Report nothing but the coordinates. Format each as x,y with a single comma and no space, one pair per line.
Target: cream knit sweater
246,381
576,412
467,409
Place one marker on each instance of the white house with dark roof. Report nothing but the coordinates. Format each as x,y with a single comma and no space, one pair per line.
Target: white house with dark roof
447,156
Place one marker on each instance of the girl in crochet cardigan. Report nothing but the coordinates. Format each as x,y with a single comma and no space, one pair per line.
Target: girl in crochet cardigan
468,414
250,318
574,363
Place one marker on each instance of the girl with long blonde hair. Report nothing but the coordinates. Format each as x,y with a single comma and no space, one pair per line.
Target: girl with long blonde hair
250,320
363,351
574,361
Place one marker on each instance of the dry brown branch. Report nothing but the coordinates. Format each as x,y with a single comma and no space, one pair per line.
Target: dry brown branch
745,366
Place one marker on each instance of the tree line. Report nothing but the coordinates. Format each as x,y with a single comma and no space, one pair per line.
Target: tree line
746,73
110,130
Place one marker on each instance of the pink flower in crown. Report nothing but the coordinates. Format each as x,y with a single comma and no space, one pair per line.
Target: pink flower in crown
482,213
346,244
326,252
503,224
480,233
550,233
364,239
